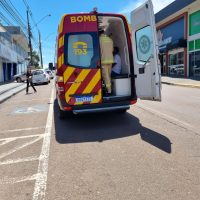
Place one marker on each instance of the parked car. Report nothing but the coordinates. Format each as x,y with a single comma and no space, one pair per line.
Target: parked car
50,73
179,70
40,77
20,77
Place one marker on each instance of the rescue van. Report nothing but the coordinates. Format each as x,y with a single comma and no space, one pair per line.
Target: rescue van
79,83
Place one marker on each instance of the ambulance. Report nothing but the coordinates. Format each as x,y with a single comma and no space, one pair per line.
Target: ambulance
79,83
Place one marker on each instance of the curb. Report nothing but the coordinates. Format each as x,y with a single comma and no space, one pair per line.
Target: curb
12,94
182,85
6,90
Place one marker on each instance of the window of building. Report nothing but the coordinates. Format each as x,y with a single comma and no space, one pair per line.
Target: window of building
194,64
176,64
191,45
197,44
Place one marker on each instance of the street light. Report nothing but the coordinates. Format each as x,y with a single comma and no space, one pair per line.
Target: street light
35,25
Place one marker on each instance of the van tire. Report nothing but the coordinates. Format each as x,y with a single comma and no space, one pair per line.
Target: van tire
62,114
122,111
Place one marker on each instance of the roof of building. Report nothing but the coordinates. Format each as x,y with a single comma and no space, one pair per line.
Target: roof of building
171,9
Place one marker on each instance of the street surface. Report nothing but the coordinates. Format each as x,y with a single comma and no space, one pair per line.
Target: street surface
151,152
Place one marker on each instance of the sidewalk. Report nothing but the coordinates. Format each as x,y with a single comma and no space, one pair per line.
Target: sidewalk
10,89
184,82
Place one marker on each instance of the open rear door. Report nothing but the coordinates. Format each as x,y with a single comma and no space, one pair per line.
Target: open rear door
145,53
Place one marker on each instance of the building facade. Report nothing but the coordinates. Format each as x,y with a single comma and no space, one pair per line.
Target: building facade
178,32
13,52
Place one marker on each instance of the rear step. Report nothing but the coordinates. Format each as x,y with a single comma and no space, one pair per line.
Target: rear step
96,110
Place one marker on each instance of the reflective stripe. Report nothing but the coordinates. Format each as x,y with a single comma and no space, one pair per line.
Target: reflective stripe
108,85
106,62
60,60
61,42
61,24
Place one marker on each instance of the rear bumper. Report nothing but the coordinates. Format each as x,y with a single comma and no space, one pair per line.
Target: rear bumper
97,110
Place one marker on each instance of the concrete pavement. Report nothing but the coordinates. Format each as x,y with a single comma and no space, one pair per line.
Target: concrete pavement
151,152
10,89
184,82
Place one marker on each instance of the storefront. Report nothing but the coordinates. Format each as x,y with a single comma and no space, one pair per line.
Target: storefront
172,47
194,44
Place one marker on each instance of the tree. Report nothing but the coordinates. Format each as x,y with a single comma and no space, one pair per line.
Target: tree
35,59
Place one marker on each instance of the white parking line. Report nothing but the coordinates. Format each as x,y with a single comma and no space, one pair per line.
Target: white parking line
7,180
20,147
19,160
20,137
41,180
21,129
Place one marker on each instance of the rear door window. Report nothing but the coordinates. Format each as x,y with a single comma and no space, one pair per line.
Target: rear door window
82,50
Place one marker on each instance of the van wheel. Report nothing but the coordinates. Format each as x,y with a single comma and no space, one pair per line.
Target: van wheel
62,114
122,111
19,80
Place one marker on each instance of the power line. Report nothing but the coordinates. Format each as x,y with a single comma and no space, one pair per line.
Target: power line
5,19
17,11
12,14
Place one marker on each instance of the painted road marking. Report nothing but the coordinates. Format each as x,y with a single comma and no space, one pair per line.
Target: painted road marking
30,110
170,119
41,180
22,129
7,180
19,160
20,137
19,147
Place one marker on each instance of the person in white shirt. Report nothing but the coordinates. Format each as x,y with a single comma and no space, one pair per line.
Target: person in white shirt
116,69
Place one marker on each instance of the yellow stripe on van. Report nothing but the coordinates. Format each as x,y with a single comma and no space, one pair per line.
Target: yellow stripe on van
61,24
68,72
60,60
97,98
72,90
61,42
92,83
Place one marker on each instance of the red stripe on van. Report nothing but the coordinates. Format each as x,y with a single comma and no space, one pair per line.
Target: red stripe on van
72,78
86,81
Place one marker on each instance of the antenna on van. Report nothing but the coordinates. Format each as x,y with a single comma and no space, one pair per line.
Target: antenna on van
94,10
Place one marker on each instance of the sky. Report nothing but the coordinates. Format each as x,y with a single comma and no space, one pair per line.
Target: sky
57,8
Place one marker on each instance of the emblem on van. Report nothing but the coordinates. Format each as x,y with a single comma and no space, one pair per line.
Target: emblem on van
144,44
80,48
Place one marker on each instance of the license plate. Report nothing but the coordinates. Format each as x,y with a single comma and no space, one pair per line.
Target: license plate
83,99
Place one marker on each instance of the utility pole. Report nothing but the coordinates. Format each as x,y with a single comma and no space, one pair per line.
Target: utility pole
29,39
40,48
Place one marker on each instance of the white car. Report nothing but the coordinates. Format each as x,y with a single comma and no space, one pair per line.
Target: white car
20,77
40,77
50,73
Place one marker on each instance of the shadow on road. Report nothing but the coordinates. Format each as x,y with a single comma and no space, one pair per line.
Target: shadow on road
105,126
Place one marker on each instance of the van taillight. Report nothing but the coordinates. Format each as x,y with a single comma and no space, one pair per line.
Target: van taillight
61,90
60,85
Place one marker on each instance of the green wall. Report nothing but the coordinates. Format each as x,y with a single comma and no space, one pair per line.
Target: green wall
194,25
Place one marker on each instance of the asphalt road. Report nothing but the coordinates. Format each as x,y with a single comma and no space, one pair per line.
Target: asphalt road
151,152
